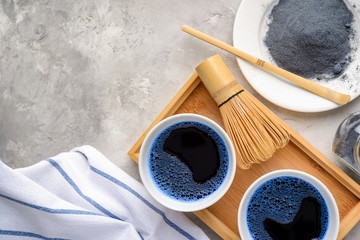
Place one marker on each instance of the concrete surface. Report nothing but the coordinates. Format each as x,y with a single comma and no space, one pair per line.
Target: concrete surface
98,72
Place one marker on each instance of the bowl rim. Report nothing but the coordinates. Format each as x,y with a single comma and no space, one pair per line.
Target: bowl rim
334,222
151,187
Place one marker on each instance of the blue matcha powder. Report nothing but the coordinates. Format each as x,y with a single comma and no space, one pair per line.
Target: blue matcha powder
311,38
174,178
279,199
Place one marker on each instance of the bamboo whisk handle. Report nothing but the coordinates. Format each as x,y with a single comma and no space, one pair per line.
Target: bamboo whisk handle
313,87
218,79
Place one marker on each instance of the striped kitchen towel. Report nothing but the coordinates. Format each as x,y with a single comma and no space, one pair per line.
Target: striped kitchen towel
82,195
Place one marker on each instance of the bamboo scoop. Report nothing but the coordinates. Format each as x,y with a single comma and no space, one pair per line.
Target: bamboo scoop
313,87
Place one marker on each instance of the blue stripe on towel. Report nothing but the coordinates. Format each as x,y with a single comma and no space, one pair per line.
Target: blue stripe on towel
132,191
27,234
150,205
77,189
51,210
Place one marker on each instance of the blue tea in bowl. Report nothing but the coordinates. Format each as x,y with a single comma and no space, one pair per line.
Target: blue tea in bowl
287,208
188,161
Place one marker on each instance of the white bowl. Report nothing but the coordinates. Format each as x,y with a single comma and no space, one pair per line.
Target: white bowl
149,183
334,219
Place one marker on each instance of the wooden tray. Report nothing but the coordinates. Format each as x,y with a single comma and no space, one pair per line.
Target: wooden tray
298,154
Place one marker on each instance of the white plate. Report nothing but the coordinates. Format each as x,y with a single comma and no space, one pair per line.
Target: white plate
249,31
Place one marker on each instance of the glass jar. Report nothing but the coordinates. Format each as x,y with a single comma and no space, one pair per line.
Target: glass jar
346,144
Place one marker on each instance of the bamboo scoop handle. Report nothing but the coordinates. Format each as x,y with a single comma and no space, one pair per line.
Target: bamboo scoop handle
313,87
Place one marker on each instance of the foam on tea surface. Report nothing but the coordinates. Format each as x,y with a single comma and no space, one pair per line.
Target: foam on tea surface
280,199
173,175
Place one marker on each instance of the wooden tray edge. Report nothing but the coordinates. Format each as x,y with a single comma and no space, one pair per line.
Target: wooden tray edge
178,99
216,225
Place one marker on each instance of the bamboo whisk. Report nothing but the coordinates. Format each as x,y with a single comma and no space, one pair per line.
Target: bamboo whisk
254,134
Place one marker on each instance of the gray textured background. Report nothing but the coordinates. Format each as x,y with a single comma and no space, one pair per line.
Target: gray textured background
99,72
